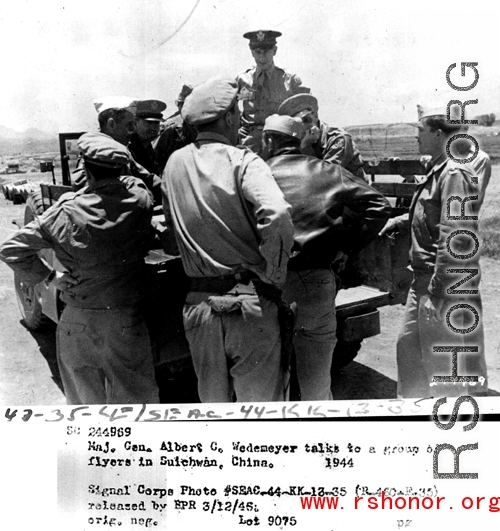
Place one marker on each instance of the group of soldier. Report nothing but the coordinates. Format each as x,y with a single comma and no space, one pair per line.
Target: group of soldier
264,203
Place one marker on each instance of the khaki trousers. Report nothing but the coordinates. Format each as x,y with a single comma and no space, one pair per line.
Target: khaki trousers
105,357
314,339
236,347
418,363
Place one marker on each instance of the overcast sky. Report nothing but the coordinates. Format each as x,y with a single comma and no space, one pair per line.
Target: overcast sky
366,61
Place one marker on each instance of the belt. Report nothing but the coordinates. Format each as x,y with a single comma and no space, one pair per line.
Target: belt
220,284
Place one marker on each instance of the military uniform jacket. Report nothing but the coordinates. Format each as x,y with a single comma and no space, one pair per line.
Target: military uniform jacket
145,156
332,209
228,212
100,236
261,93
176,135
430,225
482,168
336,145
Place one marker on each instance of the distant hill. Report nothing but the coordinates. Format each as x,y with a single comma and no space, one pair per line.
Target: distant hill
6,132
27,142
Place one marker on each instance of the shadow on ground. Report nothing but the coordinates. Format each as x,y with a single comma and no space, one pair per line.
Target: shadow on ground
358,382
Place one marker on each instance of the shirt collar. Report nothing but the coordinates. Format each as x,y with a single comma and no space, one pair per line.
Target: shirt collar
437,164
269,72
210,136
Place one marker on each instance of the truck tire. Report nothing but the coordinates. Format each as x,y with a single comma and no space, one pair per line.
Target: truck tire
28,297
30,305
34,206
343,353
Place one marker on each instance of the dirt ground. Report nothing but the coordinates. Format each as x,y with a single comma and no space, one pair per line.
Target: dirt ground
28,370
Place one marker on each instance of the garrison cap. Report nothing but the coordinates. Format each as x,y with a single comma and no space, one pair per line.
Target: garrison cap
264,39
209,101
184,93
115,102
438,111
102,150
150,110
284,124
298,105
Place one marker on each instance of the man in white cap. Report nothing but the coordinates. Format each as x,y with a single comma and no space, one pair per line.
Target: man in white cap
263,87
322,140
234,232
320,194
434,222
177,133
148,117
98,234
116,117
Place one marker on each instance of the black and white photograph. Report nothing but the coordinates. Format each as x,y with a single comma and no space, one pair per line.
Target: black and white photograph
272,225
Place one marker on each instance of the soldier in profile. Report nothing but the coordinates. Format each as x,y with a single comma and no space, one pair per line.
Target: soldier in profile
116,116
440,243
262,88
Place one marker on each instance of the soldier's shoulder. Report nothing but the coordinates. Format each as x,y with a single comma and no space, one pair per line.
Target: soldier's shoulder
135,185
336,134
172,123
245,73
455,169
69,196
290,75
248,156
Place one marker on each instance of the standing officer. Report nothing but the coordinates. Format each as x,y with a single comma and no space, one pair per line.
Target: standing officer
116,116
262,88
148,117
98,234
320,194
176,134
321,140
431,225
234,232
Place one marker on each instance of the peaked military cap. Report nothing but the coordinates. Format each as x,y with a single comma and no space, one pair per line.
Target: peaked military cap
150,110
102,150
298,105
438,110
284,124
209,101
115,102
264,39
184,93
